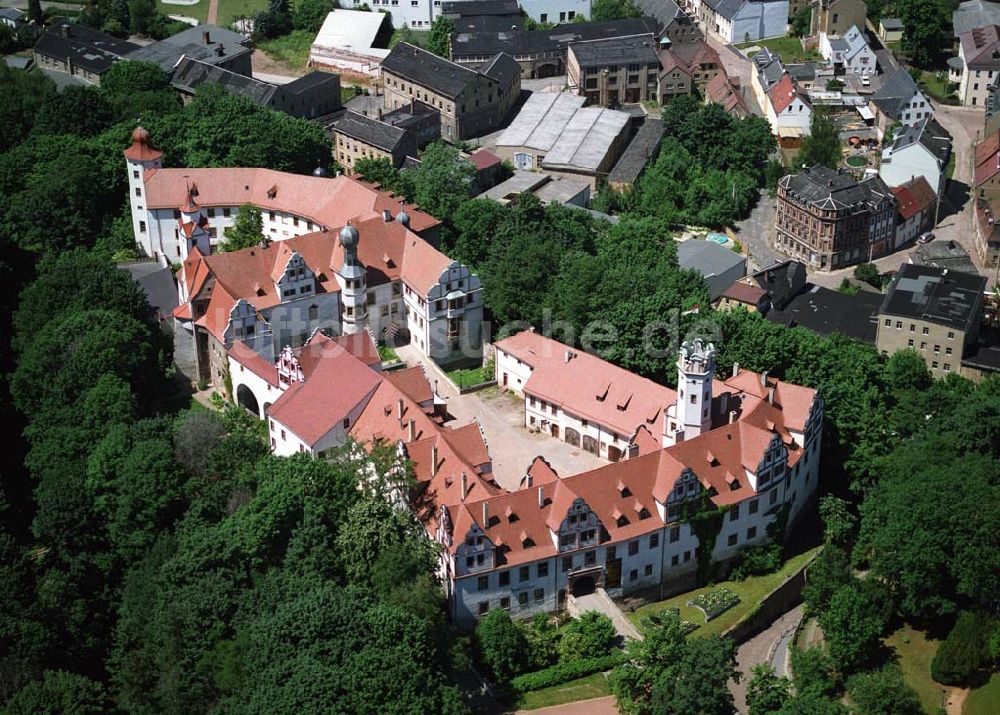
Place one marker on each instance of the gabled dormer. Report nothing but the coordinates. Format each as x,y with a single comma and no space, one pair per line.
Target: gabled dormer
687,487
476,552
294,279
771,468
579,528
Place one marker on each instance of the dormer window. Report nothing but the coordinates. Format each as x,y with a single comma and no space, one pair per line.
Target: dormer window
622,521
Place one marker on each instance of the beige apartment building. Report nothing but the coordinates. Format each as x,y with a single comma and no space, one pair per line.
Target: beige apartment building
935,312
615,71
471,102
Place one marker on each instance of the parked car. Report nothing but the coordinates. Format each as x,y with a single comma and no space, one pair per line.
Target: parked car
925,237
865,81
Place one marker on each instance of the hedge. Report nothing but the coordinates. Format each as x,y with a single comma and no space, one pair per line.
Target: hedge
564,672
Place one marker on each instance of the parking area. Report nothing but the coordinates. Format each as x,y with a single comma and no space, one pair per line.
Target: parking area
501,416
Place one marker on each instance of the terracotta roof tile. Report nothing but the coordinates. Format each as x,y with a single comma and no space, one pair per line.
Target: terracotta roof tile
588,386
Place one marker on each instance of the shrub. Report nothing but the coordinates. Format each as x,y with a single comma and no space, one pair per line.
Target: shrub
868,272
542,635
501,644
756,561
883,692
591,635
812,672
564,672
965,651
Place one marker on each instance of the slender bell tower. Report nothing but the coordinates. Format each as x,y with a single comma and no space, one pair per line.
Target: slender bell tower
352,278
691,415
141,157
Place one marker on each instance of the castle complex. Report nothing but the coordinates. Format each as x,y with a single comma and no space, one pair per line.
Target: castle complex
288,328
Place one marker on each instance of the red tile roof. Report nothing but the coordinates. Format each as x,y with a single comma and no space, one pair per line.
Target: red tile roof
338,384
413,383
484,159
388,250
722,91
782,94
915,196
744,293
587,386
329,202
987,158
624,494
141,149
248,358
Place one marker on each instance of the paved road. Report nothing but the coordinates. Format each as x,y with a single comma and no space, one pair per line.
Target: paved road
597,706
759,650
501,418
755,232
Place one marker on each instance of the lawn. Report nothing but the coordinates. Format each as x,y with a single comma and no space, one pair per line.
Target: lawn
915,652
199,11
983,701
466,377
414,37
593,686
230,9
292,49
789,48
387,354
750,592
938,86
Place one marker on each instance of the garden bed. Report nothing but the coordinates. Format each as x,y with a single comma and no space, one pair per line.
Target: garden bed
714,603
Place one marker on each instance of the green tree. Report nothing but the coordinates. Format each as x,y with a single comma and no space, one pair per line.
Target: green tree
59,691
142,15
76,110
443,180
613,10
965,652
589,636
884,692
501,643
852,624
839,522
868,273
822,146
310,14
377,171
812,671
926,30
35,14
766,692
439,37
802,21
247,230
670,674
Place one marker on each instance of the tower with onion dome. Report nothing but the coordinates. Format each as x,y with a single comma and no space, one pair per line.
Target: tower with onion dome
352,278
140,157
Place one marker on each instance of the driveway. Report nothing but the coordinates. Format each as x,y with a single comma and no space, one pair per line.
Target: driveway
755,232
600,602
501,417
769,646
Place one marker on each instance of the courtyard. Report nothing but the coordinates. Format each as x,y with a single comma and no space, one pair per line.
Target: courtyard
501,417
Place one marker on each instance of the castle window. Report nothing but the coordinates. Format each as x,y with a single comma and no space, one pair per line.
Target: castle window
483,583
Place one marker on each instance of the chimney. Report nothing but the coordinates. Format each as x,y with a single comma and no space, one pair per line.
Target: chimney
568,355
465,486
541,497
206,37
434,460
486,515
66,30
770,395
386,215
220,50
529,481
736,369
763,379
399,409
732,416
411,434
